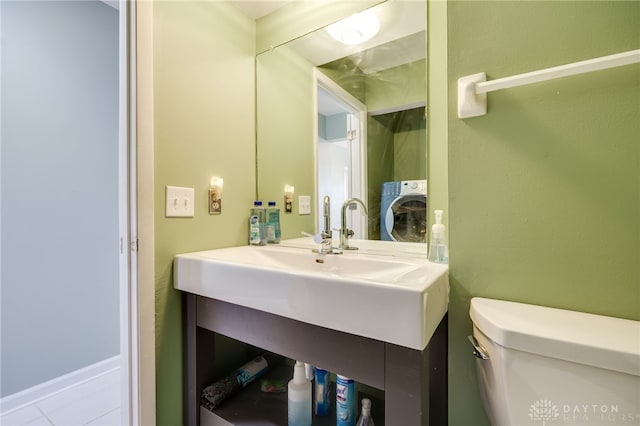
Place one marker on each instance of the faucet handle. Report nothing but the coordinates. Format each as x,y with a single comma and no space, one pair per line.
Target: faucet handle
317,238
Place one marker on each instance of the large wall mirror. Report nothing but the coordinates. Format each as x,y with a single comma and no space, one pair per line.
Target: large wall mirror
346,118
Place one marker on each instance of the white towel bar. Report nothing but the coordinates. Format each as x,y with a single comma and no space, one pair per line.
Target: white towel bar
473,89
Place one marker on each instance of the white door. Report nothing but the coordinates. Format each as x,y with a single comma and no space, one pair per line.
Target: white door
341,160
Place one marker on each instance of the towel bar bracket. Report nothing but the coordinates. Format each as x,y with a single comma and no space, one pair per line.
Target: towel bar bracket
470,103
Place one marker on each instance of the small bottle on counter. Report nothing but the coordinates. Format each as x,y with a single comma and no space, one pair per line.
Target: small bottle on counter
273,223
257,225
438,251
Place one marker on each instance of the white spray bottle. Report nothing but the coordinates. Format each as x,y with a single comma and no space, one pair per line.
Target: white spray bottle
299,396
438,250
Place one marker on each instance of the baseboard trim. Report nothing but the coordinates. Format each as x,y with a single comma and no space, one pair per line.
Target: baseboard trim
39,392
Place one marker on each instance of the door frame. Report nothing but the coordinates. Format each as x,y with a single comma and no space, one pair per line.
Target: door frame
358,109
126,219
137,299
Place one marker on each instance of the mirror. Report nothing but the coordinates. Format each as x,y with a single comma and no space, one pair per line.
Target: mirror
348,121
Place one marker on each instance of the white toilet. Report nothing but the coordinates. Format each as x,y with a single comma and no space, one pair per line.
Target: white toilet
546,366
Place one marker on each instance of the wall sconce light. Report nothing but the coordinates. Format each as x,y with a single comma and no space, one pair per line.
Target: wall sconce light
215,195
288,198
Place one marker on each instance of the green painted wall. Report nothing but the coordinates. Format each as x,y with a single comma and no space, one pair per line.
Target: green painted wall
437,110
204,125
409,144
286,133
347,75
410,154
392,89
380,164
397,87
544,191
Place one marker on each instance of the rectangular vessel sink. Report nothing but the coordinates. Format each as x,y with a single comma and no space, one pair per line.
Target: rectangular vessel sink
400,300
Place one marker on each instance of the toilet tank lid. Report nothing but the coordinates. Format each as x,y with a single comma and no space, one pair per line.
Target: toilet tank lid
596,340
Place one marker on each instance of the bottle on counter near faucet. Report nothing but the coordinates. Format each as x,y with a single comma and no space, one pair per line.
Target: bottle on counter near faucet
257,225
273,223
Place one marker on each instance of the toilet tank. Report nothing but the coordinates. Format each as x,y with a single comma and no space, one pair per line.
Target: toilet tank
548,366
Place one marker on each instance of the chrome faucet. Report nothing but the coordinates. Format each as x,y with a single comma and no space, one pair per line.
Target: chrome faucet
346,233
327,234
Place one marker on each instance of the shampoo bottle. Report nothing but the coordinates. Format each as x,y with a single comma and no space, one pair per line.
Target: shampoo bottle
299,396
438,251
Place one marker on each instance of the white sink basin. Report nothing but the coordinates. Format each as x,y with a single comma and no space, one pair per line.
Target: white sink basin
399,300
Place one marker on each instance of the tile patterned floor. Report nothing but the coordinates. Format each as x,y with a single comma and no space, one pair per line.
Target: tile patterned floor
95,402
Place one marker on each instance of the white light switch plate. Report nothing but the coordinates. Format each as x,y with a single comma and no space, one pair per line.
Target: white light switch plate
179,202
304,204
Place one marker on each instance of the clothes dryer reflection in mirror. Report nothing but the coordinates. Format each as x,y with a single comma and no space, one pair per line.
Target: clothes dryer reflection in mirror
403,211
540,365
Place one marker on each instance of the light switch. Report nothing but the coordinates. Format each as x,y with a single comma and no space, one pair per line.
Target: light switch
179,202
304,204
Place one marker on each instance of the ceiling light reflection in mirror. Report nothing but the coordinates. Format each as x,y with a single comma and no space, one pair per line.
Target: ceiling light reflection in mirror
355,29
401,39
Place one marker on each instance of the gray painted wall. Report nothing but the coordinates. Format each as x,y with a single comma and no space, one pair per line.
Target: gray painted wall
59,189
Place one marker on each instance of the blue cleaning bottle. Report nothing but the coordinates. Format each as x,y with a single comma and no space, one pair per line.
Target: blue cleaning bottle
321,404
345,401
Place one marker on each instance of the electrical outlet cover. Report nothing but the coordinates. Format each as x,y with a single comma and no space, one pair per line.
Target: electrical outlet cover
179,202
304,204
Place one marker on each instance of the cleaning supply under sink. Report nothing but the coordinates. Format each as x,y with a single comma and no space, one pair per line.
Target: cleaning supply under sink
365,414
299,397
214,394
438,250
345,401
321,403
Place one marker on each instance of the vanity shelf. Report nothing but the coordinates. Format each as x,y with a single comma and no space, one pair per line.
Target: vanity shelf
251,407
413,381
